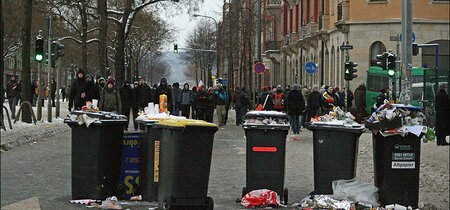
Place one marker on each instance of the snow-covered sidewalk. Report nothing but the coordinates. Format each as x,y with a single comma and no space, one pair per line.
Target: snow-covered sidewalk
23,133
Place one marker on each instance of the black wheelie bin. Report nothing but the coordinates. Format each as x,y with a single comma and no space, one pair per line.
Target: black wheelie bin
266,133
185,162
149,160
335,150
396,161
96,153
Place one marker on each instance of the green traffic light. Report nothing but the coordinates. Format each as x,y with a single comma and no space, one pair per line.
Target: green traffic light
39,57
391,72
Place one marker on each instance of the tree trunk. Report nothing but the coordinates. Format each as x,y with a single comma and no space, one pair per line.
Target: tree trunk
103,33
84,35
119,64
1,59
26,71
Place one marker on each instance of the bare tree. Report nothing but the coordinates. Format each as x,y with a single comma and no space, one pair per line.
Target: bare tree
75,15
26,69
102,7
203,37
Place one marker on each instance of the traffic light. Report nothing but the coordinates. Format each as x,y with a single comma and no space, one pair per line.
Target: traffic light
415,49
383,60
175,48
39,51
56,50
391,64
350,70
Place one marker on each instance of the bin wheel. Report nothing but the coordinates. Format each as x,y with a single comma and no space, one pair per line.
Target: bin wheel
209,203
244,192
167,203
285,196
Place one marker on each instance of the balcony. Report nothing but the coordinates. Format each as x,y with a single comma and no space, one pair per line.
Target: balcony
274,4
295,37
287,40
311,29
272,45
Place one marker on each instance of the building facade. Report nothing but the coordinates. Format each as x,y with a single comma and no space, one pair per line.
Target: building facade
300,31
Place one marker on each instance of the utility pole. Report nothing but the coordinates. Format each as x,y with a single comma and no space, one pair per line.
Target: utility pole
258,51
406,51
49,57
58,86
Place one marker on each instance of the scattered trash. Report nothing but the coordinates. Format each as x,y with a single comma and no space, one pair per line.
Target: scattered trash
399,119
47,126
266,118
355,190
136,198
295,139
110,203
85,201
260,198
43,140
323,202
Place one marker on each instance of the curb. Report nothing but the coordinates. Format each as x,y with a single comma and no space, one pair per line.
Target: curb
30,138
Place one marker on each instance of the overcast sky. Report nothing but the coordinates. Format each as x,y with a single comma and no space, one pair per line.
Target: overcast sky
184,24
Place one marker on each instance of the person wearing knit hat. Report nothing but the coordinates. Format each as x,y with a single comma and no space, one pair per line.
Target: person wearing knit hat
77,94
265,99
110,98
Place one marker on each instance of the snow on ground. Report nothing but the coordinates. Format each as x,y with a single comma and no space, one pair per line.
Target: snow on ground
28,133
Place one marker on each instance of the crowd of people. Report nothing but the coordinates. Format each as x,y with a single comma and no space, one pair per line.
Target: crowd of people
300,103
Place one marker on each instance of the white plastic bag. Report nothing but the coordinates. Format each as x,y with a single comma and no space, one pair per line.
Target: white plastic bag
356,191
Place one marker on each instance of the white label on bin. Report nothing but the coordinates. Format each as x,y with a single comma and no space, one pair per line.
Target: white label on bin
403,164
404,156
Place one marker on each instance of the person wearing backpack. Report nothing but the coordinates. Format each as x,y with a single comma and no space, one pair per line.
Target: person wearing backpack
295,107
279,99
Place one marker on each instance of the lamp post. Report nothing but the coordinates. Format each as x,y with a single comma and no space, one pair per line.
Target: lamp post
217,42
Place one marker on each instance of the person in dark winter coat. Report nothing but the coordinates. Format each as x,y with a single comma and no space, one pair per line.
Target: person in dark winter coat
329,99
341,98
295,107
185,99
211,97
12,93
126,96
175,104
143,95
360,102
76,97
349,99
110,98
442,116
241,104
100,84
265,99
202,103
381,98
53,91
314,100
90,89
134,105
164,89
194,102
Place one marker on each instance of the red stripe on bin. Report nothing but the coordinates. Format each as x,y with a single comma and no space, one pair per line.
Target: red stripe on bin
264,149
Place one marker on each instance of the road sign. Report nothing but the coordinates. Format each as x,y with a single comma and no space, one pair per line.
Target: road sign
259,68
311,68
346,47
413,37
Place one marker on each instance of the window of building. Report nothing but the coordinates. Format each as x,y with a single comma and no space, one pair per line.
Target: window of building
440,1
376,48
269,31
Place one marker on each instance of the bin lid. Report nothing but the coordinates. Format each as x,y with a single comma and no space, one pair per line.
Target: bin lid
184,123
266,114
337,126
98,114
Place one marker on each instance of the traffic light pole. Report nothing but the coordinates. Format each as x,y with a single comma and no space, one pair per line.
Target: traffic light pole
347,84
39,99
49,57
258,52
58,86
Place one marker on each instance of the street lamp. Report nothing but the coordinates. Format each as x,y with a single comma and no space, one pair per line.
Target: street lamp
217,40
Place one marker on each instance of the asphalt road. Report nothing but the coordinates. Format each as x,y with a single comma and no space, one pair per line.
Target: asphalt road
43,170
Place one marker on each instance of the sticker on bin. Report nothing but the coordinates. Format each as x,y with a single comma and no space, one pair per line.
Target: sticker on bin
403,165
403,156
264,149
